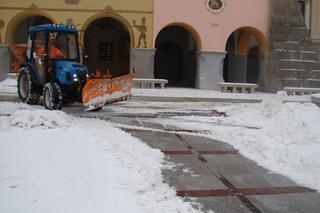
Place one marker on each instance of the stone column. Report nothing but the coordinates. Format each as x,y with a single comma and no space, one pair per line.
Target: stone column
209,69
142,60
4,61
262,71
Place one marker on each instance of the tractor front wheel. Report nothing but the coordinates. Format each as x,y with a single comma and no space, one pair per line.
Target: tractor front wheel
52,96
26,88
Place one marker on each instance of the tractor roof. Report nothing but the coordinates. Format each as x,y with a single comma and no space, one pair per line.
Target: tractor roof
54,27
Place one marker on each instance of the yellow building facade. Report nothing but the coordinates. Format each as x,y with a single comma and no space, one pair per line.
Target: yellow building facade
127,24
80,13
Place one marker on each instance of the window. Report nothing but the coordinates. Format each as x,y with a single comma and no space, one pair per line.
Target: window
39,46
62,45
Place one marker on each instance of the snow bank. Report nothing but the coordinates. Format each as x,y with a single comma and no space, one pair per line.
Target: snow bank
39,118
83,165
283,137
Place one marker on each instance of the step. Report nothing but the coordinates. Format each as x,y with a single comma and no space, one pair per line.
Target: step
294,54
299,64
293,19
293,45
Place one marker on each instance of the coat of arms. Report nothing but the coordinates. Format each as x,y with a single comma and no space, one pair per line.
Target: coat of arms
215,6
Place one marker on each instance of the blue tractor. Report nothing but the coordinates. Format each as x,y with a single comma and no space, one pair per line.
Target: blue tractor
52,68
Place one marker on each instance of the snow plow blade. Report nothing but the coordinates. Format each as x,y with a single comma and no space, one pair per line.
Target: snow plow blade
100,91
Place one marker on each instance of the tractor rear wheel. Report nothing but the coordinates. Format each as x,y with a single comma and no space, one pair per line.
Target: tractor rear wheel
52,96
26,88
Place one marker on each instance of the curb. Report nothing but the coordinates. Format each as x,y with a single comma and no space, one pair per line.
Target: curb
9,97
194,99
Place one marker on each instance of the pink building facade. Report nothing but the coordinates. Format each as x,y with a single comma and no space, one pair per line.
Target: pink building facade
199,44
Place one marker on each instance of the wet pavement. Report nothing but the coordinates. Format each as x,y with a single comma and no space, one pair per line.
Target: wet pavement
204,170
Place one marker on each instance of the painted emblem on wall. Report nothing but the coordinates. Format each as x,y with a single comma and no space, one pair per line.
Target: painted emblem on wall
215,6
142,28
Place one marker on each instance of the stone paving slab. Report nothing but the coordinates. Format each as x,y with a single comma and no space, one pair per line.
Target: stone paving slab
186,164
202,143
160,140
195,182
131,122
232,165
288,203
259,180
230,204
152,125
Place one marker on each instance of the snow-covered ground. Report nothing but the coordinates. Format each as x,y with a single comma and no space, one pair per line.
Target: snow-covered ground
8,86
43,154
283,137
53,162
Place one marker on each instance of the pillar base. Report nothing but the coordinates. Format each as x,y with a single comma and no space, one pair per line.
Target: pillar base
209,69
4,61
142,60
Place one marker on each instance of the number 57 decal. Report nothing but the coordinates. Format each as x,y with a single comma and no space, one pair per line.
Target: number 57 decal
53,36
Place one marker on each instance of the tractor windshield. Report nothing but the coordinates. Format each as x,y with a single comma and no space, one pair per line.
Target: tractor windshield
63,45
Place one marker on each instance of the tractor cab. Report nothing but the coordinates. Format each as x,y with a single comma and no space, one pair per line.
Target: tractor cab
53,51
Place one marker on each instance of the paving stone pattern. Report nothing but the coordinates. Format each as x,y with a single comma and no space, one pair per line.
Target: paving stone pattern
212,172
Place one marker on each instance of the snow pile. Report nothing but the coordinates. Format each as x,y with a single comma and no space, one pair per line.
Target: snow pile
84,165
39,118
283,137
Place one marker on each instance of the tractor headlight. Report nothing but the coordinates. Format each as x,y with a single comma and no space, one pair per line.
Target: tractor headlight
75,77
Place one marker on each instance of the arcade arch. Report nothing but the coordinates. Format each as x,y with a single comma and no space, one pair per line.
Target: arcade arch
17,29
107,43
244,61
175,58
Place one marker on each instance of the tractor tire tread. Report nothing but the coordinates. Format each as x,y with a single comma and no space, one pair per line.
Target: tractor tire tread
32,97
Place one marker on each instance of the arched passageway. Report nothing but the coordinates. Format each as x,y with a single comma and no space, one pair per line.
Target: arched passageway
175,57
245,56
17,35
107,46
20,32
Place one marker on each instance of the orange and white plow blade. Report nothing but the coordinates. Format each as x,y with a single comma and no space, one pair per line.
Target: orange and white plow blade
98,92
